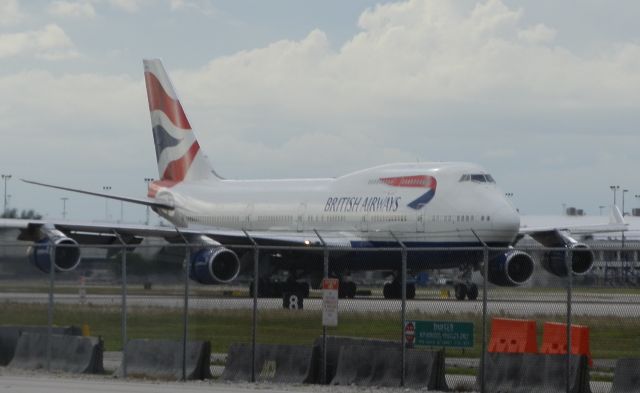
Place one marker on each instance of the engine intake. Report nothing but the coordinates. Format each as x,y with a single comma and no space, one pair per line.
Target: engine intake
64,251
214,265
581,260
510,269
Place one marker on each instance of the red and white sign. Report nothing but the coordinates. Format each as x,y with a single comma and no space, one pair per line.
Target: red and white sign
410,333
330,302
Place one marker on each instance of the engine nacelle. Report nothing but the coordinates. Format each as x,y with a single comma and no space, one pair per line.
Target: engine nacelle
214,265
581,260
64,251
510,269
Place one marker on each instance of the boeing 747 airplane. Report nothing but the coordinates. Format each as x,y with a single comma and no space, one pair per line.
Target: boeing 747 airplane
425,205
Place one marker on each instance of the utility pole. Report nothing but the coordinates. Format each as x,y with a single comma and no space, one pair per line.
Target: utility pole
148,181
64,207
5,177
614,189
106,203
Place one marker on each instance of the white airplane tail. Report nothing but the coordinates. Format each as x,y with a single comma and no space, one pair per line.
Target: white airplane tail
177,149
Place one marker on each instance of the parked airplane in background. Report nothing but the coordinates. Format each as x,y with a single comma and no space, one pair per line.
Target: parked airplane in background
427,205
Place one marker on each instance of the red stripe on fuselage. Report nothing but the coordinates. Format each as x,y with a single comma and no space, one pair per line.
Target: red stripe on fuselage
177,170
160,100
420,181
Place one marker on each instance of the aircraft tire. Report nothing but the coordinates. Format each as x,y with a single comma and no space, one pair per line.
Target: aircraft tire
460,291
472,292
411,291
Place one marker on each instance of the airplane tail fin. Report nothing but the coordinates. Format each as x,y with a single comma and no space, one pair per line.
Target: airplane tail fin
177,149
615,217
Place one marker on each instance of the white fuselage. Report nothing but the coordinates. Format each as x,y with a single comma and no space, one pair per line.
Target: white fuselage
367,205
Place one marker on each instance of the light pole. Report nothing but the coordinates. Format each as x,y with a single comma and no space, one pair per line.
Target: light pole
64,207
564,209
614,189
106,203
148,181
601,207
623,192
5,177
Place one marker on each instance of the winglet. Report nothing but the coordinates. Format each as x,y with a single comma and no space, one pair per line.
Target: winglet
615,217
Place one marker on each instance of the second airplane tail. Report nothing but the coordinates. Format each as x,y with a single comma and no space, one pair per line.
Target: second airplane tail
177,149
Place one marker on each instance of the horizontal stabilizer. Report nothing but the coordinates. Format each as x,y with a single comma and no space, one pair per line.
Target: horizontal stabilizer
146,202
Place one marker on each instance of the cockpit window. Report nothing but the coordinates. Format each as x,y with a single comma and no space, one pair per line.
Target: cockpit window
477,177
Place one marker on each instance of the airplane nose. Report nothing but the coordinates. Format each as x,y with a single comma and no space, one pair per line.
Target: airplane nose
506,221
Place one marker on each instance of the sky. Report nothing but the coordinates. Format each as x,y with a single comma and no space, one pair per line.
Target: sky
545,95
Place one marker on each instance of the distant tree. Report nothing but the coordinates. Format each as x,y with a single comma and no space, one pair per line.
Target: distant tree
30,215
25,214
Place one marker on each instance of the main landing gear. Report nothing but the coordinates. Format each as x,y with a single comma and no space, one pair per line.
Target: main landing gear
268,287
466,289
463,287
393,290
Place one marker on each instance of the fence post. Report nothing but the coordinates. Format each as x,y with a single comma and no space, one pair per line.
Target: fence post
185,310
254,317
325,274
123,317
568,258
52,275
403,284
485,274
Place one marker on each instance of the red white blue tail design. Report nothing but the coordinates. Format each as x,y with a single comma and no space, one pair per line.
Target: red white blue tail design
177,150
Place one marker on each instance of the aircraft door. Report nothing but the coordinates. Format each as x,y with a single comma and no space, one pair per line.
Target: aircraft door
247,217
364,222
420,221
302,209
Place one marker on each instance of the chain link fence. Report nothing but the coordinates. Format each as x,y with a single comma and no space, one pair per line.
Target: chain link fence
409,299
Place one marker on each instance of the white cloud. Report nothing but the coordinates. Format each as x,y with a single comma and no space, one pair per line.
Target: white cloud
204,7
130,6
10,13
427,79
50,42
75,9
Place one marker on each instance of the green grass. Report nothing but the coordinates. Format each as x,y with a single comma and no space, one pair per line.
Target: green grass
610,337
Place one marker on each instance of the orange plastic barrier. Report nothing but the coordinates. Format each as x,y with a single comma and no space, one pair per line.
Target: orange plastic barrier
554,340
513,336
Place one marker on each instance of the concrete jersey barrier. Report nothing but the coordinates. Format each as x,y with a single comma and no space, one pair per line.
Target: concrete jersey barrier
533,373
627,376
364,365
162,359
73,354
274,363
9,337
334,343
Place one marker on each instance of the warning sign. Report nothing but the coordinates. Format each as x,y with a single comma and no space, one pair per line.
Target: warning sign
409,333
330,302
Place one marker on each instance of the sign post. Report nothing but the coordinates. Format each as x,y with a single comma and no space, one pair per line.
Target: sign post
330,302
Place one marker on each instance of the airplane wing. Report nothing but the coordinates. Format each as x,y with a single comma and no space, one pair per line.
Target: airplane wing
106,233
553,231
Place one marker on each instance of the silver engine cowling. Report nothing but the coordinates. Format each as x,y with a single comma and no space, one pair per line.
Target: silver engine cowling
213,263
581,260
510,269
55,247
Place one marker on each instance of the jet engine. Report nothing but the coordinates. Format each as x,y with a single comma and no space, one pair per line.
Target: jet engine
56,247
581,260
214,264
510,269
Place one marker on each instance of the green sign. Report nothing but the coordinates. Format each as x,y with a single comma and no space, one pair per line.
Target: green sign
439,334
